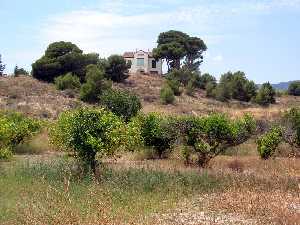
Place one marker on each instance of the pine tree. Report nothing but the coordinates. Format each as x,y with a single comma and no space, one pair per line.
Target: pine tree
2,67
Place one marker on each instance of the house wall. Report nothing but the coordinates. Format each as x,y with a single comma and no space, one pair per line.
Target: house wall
147,67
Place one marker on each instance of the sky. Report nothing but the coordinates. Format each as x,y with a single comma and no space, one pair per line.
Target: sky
260,38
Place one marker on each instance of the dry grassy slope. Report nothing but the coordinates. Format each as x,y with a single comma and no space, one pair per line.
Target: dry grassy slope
32,97
148,88
42,100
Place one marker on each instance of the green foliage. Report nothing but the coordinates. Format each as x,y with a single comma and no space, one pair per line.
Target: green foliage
158,132
211,90
62,58
222,92
117,68
95,84
182,76
292,126
175,45
294,88
89,132
236,86
20,71
203,80
2,66
268,143
167,95
67,81
209,136
190,88
14,129
121,103
265,95
174,84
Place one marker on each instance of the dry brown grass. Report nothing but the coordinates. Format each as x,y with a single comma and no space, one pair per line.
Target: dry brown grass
32,97
148,88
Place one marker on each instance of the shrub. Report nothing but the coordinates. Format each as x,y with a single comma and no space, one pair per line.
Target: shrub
175,86
67,81
265,95
95,84
222,93
190,88
211,90
158,132
88,132
117,68
209,136
14,129
268,143
20,71
292,127
167,95
62,58
181,75
121,103
294,88
2,66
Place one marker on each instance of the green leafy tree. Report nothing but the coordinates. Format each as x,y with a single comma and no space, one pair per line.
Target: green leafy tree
158,132
117,68
89,133
294,88
67,81
195,47
95,84
210,136
121,103
268,143
265,95
62,58
15,128
2,66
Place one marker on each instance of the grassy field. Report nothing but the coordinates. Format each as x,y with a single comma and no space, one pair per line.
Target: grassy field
46,189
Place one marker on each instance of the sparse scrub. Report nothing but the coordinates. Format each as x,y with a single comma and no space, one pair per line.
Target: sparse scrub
175,86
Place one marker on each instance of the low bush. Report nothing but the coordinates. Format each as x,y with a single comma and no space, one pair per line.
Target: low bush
167,95
211,89
210,136
203,80
175,86
268,143
15,129
158,132
121,103
67,81
190,88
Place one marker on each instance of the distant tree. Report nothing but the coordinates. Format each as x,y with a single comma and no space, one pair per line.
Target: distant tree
194,53
2,66
294,88
61,58
175,45
20,71
265,95
117,68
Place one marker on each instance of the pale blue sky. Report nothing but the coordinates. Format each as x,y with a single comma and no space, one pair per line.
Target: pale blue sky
258,37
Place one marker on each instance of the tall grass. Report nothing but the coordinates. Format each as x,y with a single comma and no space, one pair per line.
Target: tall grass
50,193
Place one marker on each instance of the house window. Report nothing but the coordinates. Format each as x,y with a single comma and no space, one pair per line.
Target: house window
140,62
153,64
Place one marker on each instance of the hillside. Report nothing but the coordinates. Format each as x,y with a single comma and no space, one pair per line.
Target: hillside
42,100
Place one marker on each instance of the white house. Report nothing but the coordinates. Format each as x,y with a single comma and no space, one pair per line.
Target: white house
143,62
